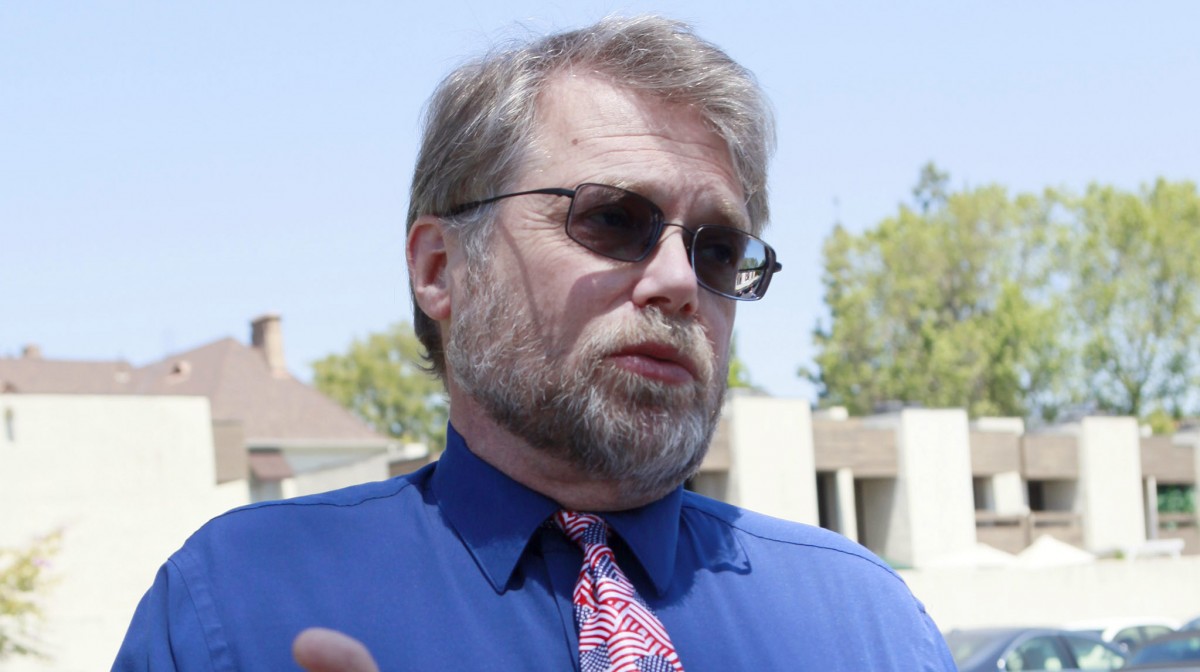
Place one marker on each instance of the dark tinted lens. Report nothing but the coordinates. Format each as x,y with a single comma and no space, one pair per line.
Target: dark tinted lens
730,261
614,222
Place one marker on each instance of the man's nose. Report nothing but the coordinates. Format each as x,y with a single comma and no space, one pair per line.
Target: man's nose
667,279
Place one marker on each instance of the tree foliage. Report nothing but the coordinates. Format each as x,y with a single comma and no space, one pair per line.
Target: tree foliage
935,307
1136,296
381,380
739,373
1176,499
1017,305
22,578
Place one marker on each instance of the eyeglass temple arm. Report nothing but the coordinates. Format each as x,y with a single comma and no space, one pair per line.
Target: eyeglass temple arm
552,191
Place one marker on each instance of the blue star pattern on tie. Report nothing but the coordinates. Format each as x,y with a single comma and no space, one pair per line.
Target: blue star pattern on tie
617,630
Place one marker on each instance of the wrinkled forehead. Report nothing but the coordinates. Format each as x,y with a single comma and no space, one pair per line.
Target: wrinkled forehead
589,128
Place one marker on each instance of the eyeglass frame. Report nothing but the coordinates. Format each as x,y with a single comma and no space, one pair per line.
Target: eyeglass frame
770,267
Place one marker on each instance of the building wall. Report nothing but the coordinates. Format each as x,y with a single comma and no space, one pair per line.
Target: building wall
1052,596
928,509
882,520
996,461
1110,484
771,452
1063,495
126,479
370,468
935,483
1008,490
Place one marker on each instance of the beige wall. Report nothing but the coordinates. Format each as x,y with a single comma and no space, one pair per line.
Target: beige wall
964,598
1003,437
883,521
1110,484
771,452
1008,490
935,477
928,510
372,467
126,479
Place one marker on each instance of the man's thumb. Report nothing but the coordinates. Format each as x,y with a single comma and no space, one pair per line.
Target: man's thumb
324,650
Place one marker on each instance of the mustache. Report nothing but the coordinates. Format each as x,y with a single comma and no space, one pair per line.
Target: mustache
684,335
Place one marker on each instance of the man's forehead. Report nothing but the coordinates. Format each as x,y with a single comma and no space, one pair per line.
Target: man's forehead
602,131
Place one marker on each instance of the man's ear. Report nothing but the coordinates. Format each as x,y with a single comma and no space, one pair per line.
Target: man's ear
428,266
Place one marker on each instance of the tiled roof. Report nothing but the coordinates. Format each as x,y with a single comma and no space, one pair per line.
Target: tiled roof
274,410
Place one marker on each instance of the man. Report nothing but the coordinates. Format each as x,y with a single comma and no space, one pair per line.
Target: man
582,225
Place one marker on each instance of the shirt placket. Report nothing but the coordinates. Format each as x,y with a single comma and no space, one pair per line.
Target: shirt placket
562,560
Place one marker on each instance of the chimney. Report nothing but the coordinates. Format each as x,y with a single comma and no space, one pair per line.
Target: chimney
266,335
31,351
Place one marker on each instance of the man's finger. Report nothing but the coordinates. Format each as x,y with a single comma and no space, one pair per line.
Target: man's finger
324,650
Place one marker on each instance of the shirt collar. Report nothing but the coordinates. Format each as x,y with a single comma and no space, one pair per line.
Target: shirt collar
495,517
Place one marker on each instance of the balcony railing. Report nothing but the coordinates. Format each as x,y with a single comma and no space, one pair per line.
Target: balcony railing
1181,526
1015,532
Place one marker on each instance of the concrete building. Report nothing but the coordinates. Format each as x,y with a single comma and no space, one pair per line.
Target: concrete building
761,457
966,510
922,487
125,462
124,479
279,436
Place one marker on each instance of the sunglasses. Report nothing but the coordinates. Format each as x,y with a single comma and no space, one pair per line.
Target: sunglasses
622,225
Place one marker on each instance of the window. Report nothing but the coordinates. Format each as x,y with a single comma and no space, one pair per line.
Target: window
984,499
1039,653
1092,655
1176,498
1037,495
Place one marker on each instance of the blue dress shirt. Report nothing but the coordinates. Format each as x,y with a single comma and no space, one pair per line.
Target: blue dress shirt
451,568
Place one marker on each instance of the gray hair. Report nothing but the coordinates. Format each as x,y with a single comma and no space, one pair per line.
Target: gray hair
481,120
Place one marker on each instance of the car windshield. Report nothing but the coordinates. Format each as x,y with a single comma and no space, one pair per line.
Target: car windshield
964,644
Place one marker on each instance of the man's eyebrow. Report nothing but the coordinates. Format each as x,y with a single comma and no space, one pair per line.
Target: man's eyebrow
733,212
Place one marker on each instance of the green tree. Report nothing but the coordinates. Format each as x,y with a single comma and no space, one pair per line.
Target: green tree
739,373
941,306
22,578
1176,499
931,187
381,380
1135,290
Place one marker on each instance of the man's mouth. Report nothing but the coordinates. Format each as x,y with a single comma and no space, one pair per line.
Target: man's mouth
656,361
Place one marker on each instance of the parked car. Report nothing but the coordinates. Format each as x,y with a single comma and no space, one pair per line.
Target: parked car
1193,624
1029,649
1176,651
1126,633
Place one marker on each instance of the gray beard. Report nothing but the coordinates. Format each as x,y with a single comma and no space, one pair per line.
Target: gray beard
607,422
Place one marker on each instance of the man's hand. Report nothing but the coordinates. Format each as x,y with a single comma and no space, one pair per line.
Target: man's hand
323,650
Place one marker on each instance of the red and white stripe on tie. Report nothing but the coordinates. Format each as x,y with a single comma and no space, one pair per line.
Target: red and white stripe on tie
617,630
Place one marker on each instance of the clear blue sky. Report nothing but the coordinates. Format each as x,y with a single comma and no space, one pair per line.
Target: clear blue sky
170,170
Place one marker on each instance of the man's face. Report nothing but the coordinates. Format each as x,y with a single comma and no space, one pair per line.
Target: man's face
617,367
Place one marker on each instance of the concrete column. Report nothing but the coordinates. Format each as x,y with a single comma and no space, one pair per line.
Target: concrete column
772,468
933,486
1011,496
1110,484
847,512
1150,488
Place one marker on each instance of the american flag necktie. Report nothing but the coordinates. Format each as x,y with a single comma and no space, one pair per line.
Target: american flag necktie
617,630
